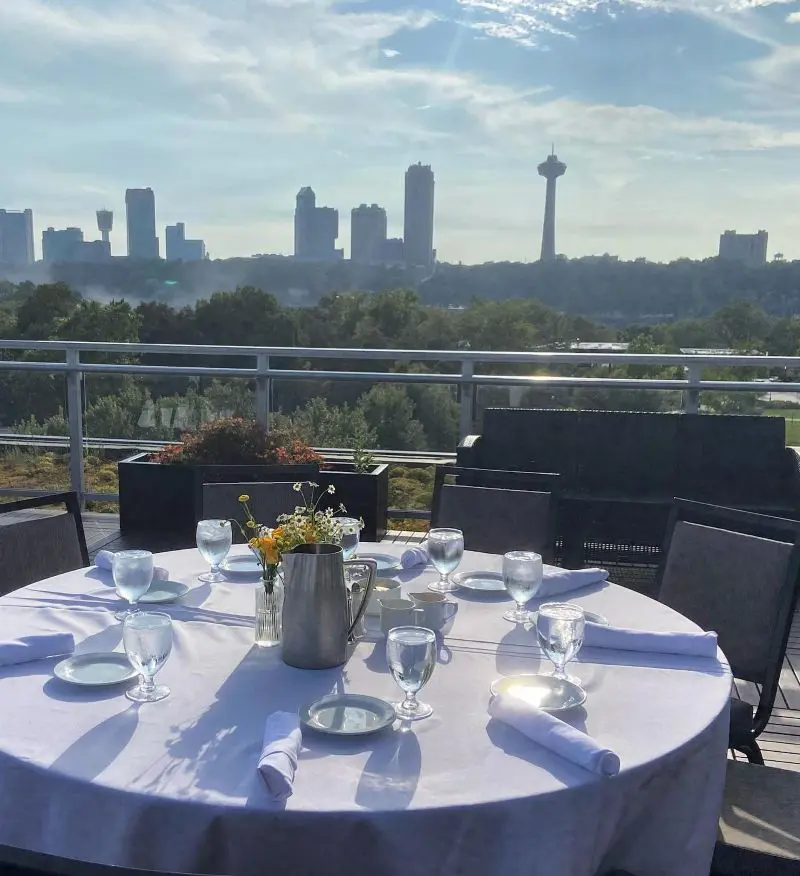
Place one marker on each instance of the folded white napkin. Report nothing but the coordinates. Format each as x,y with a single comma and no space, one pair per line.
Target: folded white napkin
554,734
105,560
281,748
415,556
556,580
685,644
28,648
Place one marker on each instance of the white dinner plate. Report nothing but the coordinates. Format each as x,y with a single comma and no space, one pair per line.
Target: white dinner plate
386,562
95,670
592,616
542,691
243,566
164,591
481,582
347,715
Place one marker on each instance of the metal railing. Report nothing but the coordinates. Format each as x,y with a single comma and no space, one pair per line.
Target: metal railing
467,377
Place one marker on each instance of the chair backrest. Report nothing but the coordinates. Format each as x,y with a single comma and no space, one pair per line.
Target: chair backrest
267,502
495,520
33,548
735,572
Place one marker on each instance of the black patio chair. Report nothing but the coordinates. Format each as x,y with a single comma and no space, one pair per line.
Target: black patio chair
33,548
736,572
267,501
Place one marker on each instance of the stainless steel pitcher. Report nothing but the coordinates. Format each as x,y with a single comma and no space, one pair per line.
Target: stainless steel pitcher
318,621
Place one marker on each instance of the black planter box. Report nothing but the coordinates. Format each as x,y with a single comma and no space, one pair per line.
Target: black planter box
156,497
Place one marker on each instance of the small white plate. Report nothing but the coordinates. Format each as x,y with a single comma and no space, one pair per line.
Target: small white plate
164,591
95,670
542,691
386,562
384,588
481,582
591,616
347,715
243,566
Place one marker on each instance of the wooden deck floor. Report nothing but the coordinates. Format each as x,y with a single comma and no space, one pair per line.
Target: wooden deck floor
780,742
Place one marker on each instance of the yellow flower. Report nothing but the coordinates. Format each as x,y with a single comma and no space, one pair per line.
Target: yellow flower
251,524
244,498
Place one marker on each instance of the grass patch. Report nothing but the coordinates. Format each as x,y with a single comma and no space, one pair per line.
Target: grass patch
792,417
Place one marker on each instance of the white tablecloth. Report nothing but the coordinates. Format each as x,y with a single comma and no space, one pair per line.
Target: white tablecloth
173,785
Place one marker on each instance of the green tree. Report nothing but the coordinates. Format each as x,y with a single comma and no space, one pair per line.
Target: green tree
390,412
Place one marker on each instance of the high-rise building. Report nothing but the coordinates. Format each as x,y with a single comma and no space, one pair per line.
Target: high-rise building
418,218
394,251
315,229
105,224
68,245
551,169
140,211
16,237
749,249
179,248
367,234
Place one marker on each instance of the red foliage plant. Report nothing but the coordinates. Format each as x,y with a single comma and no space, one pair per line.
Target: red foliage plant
236,441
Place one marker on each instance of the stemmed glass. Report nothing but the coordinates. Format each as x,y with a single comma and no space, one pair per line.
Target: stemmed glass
133,575
351,530
445,548
214,540
411,654
147,637
559,627
522,577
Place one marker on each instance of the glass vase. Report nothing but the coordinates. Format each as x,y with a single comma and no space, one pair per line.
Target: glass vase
269,609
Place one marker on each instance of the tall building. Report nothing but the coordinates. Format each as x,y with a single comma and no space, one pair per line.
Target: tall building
140,211
551,169
68,245
394,251
749,249
418,218
315,229
179,248
367,234
16,237
105,224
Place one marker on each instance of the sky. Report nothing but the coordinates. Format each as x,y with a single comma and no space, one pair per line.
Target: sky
677,119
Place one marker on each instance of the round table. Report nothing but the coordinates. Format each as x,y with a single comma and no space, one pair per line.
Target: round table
173,785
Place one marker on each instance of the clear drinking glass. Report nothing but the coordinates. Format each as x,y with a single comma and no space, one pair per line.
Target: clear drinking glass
214,542
147,637
559,627
351,529
445,548
133,575
411,654
522,577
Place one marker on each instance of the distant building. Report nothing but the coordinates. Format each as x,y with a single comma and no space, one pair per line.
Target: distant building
16,237
140,211
749,249
418,217
105,224
394,251
551,169
315,229
179,248
367,234
68,245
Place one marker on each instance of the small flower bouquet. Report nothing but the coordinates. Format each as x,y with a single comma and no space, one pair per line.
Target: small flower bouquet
307,524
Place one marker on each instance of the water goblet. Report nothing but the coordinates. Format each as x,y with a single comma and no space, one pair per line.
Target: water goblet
133,575
559,627
214,540
411,654
522,577
445,549
147,637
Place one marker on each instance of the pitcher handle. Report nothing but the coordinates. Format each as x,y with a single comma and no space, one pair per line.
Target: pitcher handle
372,565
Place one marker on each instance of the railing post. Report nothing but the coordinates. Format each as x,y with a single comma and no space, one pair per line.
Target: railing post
75,420
467,396
263,386
691,396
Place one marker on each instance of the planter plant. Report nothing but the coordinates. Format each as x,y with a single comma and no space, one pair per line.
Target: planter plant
163,491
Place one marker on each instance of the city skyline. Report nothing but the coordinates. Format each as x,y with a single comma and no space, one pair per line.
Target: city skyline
678,119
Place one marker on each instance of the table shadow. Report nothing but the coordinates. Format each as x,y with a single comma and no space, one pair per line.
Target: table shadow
97,749
64,692
390,777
